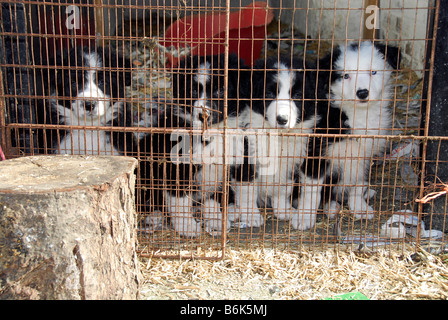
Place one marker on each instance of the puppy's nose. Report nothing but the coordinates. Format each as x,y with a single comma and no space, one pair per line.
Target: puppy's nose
282,120
362,94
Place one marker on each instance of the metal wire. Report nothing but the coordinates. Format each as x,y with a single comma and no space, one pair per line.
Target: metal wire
146,65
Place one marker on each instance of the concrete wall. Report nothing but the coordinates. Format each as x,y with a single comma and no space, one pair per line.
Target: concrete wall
403,22
406,21
338,20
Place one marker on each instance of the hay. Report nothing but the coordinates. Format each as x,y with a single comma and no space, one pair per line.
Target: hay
270,274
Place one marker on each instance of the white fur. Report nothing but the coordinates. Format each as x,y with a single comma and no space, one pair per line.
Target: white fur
277,162
209,175
245,209
352,156
202,78
291,150
182,220
283,106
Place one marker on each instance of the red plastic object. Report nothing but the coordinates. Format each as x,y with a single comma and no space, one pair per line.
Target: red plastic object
205,34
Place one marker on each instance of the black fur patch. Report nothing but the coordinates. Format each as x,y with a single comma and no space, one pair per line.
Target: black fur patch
186,90
391,53
266,87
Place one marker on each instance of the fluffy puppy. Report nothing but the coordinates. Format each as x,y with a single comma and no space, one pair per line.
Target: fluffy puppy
282,104
87,89
243,153
357,77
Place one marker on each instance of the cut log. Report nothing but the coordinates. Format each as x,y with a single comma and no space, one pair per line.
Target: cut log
68,228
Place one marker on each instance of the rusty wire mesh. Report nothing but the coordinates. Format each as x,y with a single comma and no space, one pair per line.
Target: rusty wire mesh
136,75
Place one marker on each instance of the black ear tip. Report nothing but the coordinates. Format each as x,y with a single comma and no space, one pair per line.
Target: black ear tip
391,53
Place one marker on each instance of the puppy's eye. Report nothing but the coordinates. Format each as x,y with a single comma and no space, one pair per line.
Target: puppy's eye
296,95
346,76
270,94
373,73
219,93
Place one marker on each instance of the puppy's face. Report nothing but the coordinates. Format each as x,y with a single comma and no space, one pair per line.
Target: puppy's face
93,98
362,72
199,86
91,81
282,96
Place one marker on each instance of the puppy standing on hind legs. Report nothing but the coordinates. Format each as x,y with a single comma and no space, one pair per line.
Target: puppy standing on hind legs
243,181
242,167
167,186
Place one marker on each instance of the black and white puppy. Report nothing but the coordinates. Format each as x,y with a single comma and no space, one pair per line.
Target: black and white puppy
87,89
357,79
198,85
166,182
179,181
283,107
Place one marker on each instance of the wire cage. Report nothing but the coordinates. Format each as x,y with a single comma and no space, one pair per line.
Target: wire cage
293,125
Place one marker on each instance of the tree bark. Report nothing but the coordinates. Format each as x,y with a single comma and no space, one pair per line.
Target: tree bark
68,228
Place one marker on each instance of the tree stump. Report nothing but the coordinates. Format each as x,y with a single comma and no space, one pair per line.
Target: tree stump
68,228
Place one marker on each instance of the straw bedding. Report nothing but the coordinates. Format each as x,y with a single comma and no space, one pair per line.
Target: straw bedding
270,274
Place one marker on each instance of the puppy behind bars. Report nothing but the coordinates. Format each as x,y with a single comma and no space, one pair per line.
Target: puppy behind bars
176,180
87,88
356,78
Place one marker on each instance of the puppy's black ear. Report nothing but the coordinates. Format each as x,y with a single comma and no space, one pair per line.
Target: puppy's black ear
391,53
326,62
326,71
259,79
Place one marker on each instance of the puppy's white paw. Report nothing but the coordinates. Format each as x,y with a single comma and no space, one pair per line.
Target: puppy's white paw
368,214
251,218
303,222
187,227
212,215
233,213
369,194
282,209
